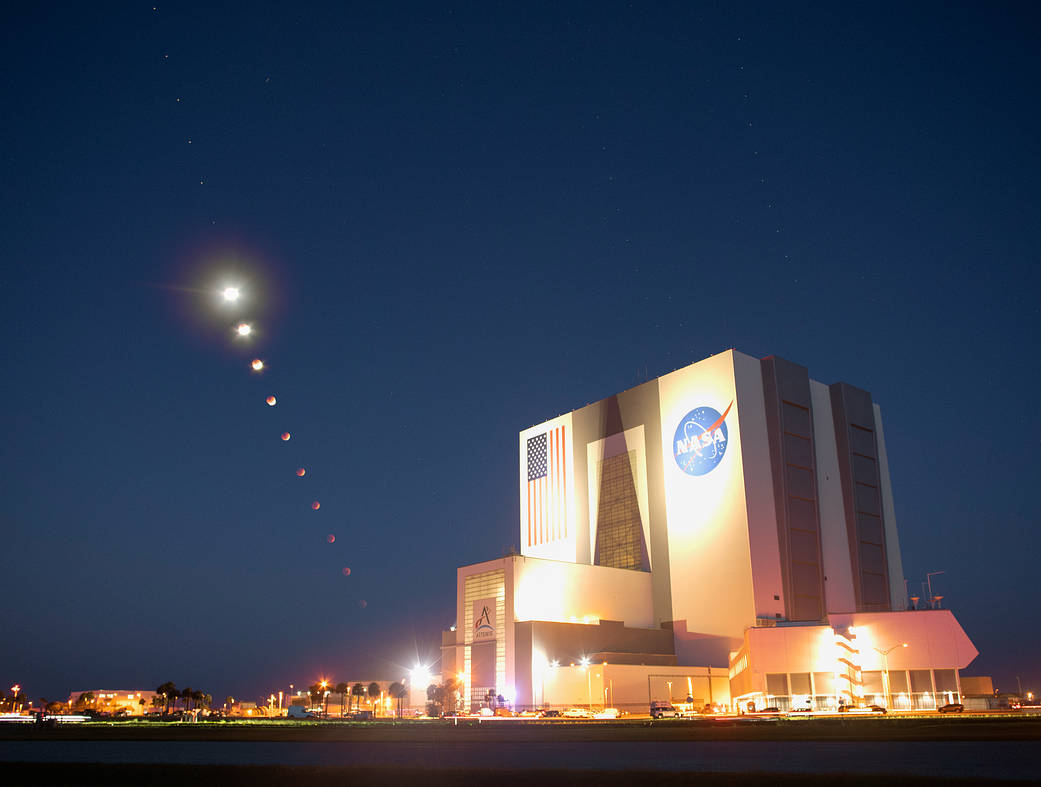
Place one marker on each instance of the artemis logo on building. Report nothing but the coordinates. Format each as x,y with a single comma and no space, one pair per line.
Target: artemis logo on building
484,619
701,440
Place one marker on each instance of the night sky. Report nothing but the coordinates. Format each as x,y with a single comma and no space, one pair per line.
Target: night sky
451,222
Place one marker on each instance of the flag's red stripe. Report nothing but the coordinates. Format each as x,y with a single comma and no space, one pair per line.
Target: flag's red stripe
556,490
563,474
546,510
529,513
558,479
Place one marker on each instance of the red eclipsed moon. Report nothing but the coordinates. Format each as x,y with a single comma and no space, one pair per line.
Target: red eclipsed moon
271,401
285,436
316,505
363,603
300,471
346,571
257,364
330,538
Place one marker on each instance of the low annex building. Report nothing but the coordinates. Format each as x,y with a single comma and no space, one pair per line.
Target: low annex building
135,702
697,538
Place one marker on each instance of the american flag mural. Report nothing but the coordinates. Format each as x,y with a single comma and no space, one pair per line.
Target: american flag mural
547,487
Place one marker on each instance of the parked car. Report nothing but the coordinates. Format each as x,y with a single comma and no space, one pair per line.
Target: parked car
606,713
299,712
951,707
551,714
661,709
877,709
577,713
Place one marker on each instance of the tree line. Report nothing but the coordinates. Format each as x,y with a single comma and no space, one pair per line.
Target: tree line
167,696
351,694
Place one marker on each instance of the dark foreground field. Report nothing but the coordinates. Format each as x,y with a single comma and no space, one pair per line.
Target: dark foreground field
262,776
877,751
920,728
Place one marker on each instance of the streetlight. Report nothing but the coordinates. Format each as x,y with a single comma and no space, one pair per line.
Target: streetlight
584,661
885,669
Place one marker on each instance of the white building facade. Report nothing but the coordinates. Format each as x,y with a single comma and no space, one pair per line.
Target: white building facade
731,495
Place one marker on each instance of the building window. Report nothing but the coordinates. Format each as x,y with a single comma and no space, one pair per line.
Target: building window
619,528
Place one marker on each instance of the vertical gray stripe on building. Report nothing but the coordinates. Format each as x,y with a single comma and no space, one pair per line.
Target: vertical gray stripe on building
789,423
853,412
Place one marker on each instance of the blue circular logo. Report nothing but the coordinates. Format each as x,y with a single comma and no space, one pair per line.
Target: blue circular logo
701,440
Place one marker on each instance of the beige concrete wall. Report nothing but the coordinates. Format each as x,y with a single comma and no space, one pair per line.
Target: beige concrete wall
838,570
897,595
711,569
632,687
553,590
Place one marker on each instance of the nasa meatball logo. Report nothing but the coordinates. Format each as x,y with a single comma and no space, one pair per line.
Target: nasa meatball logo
701,440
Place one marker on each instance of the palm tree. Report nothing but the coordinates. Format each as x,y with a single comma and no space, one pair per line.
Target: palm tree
341,689
398,692
158,701
201,699
316,691
86,698
357,690
168,691
451,688
186,695
374,693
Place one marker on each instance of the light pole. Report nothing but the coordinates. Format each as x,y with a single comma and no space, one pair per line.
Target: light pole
589,682
929,581
885,669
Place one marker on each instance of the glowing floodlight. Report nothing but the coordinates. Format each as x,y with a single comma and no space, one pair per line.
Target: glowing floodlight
285,436
244,329
271,401
230,294
257,364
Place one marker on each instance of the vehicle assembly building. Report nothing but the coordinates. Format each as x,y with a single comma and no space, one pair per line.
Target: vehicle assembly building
723,534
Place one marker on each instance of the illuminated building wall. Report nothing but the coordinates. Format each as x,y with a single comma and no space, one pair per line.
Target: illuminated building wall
111,700
515,590
855,659
750,493
730,505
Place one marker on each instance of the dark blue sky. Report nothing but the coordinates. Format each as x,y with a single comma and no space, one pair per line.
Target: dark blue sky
455,221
